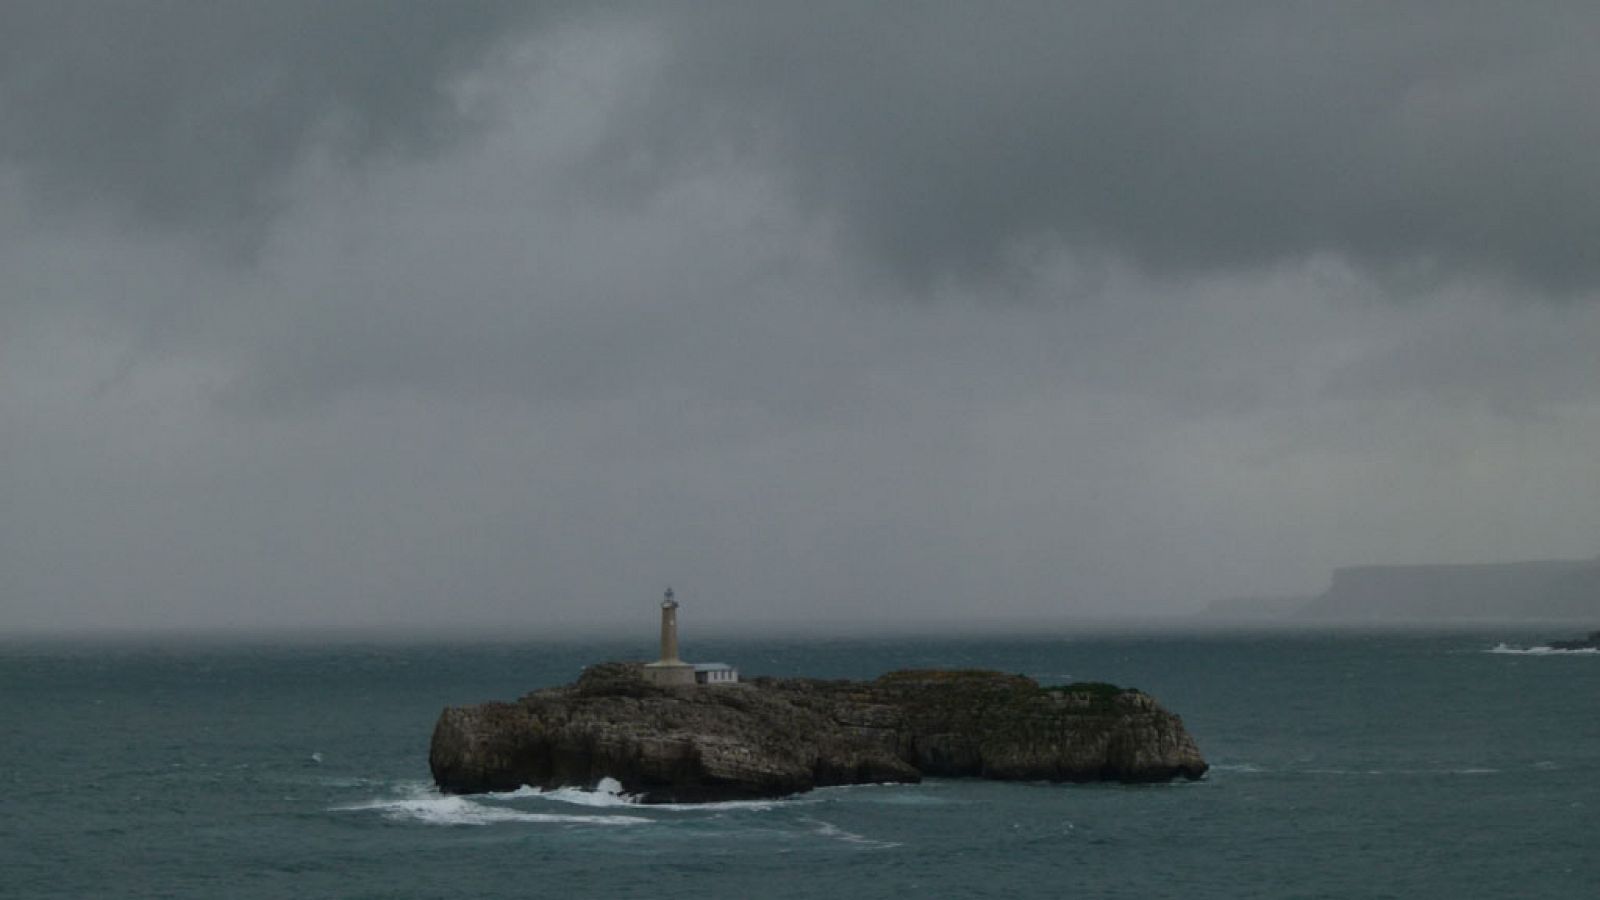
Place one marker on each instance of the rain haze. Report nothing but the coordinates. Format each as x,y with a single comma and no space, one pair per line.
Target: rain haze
501,317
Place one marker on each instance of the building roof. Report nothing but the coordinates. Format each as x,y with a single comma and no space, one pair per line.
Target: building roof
712,667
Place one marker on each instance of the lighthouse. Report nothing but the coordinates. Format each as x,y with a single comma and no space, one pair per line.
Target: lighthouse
669,670
669,628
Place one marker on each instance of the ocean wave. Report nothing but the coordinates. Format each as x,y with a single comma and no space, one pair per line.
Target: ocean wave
608,794
425,804
830,830
348,782
1541,650
1247,768
1469,770
904,798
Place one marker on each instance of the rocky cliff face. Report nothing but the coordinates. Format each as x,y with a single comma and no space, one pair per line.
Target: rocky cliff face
773,737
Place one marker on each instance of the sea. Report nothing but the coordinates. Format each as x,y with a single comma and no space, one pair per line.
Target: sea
1343,766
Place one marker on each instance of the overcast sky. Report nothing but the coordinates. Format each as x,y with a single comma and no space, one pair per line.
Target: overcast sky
504,316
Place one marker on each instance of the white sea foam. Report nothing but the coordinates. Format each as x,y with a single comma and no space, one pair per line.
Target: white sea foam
902,798
1541,650
609,794
872,785
830,830
1247,768
425,804
727,804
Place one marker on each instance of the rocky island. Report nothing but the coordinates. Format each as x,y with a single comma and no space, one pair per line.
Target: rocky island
771,737
671,731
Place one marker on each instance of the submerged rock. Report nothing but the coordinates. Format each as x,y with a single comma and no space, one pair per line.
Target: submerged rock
777,736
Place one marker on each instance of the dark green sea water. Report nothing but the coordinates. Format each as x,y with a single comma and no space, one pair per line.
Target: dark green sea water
1405,767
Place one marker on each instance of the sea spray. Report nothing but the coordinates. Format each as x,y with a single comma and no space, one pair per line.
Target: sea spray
1541,650
423,803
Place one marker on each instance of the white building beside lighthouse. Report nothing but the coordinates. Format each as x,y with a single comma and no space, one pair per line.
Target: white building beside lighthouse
669,670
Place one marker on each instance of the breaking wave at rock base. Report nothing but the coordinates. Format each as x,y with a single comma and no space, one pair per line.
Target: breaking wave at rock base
1541,650
420,802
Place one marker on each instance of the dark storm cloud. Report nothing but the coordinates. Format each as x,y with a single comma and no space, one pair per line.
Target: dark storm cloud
1416,138
1412,137
188,113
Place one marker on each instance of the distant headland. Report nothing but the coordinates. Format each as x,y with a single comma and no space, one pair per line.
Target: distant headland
1557,590
670,733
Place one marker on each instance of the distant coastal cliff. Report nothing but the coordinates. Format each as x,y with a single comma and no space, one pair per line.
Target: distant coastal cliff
1558,590
1545,589
778,736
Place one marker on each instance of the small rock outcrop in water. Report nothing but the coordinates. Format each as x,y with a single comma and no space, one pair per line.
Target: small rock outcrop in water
779,736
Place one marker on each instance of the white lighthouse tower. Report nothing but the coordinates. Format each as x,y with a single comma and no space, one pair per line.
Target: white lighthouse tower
669,669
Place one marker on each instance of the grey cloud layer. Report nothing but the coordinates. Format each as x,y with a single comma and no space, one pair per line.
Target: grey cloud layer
944,138
1186,136
827,313
188,114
